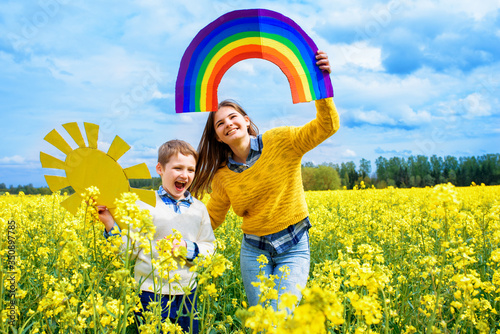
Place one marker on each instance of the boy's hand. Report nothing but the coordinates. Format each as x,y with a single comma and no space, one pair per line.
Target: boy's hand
323,62
105,217
178,244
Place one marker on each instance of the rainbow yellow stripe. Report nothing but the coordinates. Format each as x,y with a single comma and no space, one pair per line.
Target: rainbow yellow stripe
244,34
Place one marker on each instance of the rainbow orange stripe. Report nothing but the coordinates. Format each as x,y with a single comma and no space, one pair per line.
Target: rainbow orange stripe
244,34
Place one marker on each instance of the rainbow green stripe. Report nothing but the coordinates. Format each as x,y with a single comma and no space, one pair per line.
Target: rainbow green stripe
243,34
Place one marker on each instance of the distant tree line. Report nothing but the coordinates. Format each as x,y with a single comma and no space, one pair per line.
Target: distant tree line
27,189
153,183
420,172
414,171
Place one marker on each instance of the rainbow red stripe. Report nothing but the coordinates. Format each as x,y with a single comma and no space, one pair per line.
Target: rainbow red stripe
244,34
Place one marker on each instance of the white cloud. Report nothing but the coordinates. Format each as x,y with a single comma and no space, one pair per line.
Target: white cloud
475,106
186,118
159,95
246,67
347,153
358,54
472,106
411,117
113,65
478,10
103,145
373,117
13,160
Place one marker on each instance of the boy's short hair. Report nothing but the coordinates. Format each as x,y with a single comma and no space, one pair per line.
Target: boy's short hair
173,147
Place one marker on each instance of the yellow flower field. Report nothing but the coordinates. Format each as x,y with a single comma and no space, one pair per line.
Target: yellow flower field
382,261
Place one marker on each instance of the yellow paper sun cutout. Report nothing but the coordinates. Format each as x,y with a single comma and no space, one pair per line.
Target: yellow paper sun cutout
87,166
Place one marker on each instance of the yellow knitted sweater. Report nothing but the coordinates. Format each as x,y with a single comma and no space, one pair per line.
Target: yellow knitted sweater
269,195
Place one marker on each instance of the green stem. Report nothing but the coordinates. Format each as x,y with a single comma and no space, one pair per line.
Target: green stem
438,294
95,245
1,287
386,313
123,322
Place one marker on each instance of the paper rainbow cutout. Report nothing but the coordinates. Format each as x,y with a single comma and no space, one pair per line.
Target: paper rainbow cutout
244,34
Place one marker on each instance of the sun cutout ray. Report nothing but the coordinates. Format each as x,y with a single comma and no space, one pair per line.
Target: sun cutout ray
87,166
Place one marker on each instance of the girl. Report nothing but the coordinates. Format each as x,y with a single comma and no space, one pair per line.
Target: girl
260,177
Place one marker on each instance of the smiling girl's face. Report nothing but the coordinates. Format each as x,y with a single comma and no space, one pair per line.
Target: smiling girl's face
230,126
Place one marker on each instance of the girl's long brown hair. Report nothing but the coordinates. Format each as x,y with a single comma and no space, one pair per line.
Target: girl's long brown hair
213,154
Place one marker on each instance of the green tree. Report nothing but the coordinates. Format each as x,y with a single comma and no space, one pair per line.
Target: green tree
322,177
327,178
489,169
419,168
468,171
450,168
365,168
437,166
381,163
348,174
308,177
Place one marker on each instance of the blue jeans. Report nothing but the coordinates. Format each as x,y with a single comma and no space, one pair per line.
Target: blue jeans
297,259
188,304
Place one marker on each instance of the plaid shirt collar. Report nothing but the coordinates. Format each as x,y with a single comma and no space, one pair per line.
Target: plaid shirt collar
174,203
254,154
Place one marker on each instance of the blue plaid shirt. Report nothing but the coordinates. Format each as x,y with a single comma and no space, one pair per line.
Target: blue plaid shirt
179,206
281,241
256,147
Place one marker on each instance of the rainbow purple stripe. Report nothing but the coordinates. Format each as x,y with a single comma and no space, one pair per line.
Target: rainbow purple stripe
244,34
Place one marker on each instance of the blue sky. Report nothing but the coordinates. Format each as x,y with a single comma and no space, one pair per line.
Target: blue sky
410,77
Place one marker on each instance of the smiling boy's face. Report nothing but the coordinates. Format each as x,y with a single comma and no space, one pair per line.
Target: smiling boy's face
177,174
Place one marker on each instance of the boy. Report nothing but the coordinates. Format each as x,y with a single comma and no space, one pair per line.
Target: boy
175,209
